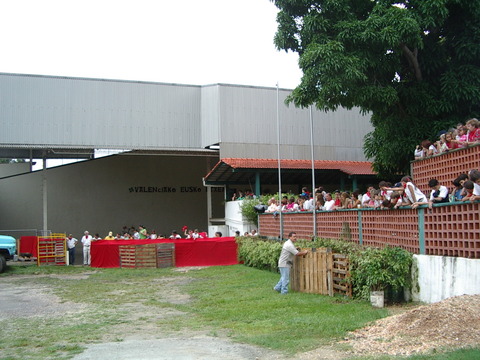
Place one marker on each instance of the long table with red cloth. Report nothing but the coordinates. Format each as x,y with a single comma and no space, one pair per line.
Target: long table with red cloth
199,252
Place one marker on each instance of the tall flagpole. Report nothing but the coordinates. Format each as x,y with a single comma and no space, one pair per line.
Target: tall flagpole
279,168
313,175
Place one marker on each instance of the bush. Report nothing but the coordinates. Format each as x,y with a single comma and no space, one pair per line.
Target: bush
259,253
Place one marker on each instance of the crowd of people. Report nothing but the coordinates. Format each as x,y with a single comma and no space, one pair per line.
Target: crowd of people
128,233
461,136
466,187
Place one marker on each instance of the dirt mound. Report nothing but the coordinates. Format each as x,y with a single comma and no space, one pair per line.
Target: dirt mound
453,323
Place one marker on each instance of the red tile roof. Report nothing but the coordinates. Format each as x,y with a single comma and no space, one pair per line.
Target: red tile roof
348,167
231,169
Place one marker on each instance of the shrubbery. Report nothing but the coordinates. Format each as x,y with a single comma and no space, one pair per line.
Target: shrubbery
370,268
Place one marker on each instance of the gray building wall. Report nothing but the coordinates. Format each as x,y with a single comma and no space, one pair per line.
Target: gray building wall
90,113
75,113
105,194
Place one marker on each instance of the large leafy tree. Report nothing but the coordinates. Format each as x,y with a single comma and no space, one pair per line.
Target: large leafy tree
413,64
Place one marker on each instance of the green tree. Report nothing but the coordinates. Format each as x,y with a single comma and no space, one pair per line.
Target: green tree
412,64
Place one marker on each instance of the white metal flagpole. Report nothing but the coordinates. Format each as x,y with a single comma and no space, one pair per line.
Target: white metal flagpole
279,167
313,174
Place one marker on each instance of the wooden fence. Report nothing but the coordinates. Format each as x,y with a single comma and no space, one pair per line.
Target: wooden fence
321,272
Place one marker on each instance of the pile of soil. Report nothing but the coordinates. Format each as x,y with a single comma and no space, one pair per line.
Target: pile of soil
452,323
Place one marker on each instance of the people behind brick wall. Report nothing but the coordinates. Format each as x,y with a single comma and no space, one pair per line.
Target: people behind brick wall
455,138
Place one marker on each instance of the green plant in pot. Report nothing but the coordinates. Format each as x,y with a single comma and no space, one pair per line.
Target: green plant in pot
376,269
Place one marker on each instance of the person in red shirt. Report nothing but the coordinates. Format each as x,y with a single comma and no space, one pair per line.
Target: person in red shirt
473,135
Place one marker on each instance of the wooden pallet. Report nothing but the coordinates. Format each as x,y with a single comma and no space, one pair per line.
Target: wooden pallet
147,256
321,272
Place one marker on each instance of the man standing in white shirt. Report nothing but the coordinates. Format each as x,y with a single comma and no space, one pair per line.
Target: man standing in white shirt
71,242
86,241
285,262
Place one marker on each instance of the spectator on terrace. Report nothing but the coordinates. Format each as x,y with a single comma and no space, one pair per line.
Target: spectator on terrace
329,203
118,237
309,204
450,143
175,235
367,196
253,232
385,191
473,135
97,237
320,202
413,194
439,193
428,148
344,201
153,235
394,202
469,195
305,193
272,205
337,199
292,205
237,233
458,191
355,202
143,232
127,236
110,236
320,191
461,138
136,235
418,152
240,196
474,176
218,234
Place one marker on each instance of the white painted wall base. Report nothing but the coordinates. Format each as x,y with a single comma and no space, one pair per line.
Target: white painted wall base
442,277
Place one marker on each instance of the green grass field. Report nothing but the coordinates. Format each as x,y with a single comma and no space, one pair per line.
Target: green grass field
233,301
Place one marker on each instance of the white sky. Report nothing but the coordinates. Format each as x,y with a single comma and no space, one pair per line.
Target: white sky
188,42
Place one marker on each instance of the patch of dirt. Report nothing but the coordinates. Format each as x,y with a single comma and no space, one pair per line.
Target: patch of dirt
452,323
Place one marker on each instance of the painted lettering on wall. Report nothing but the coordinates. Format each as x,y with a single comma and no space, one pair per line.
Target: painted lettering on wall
152,189
171,189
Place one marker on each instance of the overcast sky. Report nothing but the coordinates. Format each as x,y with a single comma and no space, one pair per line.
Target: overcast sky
188,42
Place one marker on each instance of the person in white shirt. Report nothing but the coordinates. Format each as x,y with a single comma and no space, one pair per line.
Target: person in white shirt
71,243
414,194
285,262
86,241
329,203
439,193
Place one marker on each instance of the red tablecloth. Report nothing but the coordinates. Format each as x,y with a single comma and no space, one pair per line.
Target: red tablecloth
28,244
200,252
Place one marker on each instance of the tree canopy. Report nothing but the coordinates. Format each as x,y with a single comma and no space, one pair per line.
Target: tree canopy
413,64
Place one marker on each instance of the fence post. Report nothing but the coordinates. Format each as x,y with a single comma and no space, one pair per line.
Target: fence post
360,233
421,230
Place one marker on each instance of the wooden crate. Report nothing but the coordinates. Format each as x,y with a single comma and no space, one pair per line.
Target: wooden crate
138,256
147,256
51,250
165,255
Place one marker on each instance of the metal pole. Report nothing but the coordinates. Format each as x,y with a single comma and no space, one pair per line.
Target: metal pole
279,168
313,174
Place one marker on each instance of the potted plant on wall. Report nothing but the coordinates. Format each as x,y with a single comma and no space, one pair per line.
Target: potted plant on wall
375,270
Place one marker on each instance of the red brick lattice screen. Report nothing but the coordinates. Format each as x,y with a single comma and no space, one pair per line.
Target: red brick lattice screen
448,230
445,167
